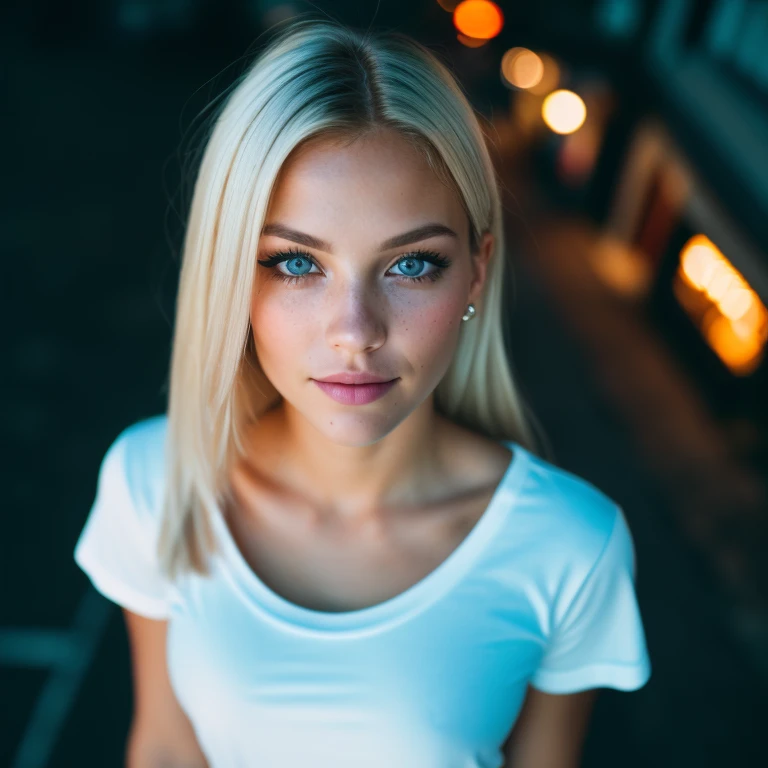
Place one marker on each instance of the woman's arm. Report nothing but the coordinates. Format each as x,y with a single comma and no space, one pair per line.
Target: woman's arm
161,735
550,730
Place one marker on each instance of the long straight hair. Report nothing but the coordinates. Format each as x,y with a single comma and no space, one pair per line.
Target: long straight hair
317,79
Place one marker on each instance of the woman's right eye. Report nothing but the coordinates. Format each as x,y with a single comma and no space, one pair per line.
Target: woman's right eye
301,258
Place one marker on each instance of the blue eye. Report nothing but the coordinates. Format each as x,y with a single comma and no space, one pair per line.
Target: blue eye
301,260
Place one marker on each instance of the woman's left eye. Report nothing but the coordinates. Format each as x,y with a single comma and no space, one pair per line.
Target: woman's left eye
409,263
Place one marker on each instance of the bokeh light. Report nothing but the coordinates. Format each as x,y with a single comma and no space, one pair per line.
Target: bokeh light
564,111
522,68
730,315
478,19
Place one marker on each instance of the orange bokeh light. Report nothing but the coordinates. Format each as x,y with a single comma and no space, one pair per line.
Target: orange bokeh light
522,68
478,18
730,315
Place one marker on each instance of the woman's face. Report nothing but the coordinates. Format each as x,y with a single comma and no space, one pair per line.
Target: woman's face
351,302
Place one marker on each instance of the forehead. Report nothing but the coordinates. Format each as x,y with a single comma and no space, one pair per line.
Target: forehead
373,188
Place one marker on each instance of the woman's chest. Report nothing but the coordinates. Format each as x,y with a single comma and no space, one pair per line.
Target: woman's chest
454,674
346,568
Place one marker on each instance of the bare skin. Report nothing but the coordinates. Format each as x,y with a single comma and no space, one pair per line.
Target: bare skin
320,562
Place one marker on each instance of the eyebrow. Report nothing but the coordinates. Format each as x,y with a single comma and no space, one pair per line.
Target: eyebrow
406,238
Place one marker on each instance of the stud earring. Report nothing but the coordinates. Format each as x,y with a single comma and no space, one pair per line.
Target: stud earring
470,312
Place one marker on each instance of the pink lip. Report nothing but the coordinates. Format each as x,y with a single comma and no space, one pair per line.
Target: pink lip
355,394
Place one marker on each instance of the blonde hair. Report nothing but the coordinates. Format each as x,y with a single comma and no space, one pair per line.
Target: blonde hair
316,79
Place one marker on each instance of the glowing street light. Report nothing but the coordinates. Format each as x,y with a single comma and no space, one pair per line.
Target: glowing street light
564,111
730,315
479,19
522,68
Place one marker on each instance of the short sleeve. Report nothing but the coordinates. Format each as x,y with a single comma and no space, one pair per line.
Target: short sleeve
116,548
600,641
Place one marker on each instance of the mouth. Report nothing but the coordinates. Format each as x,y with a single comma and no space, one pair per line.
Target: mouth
355,394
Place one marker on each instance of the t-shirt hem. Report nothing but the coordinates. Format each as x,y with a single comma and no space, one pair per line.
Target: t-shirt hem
621,677
118,592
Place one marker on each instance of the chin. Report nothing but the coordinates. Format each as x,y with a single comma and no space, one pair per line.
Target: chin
355,430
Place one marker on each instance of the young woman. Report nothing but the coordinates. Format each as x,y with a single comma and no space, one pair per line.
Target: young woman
380,571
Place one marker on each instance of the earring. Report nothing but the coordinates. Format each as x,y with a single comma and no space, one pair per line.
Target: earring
470,312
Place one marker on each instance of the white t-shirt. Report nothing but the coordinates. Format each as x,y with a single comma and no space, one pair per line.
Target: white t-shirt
540,592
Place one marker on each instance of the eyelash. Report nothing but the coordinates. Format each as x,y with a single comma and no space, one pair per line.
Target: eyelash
432,257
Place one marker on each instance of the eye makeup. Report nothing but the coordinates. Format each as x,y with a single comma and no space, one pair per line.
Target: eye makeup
432,257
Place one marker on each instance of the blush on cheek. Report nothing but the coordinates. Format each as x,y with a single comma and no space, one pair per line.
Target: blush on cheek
431,334
440,319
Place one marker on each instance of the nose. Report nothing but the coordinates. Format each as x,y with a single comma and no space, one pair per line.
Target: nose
356,321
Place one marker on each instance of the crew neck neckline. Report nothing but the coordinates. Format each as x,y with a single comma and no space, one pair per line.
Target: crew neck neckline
414,599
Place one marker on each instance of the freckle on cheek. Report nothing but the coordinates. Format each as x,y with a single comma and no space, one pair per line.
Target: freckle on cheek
442,315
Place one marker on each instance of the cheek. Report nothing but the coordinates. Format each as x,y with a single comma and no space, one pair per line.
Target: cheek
280,327
433,327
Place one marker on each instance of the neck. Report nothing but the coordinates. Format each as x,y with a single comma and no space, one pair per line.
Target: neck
352,481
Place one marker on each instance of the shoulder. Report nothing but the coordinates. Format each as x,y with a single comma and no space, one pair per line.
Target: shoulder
553,499
117,547
135,460
574,517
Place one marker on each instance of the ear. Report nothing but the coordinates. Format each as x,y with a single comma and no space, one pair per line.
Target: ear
480,260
